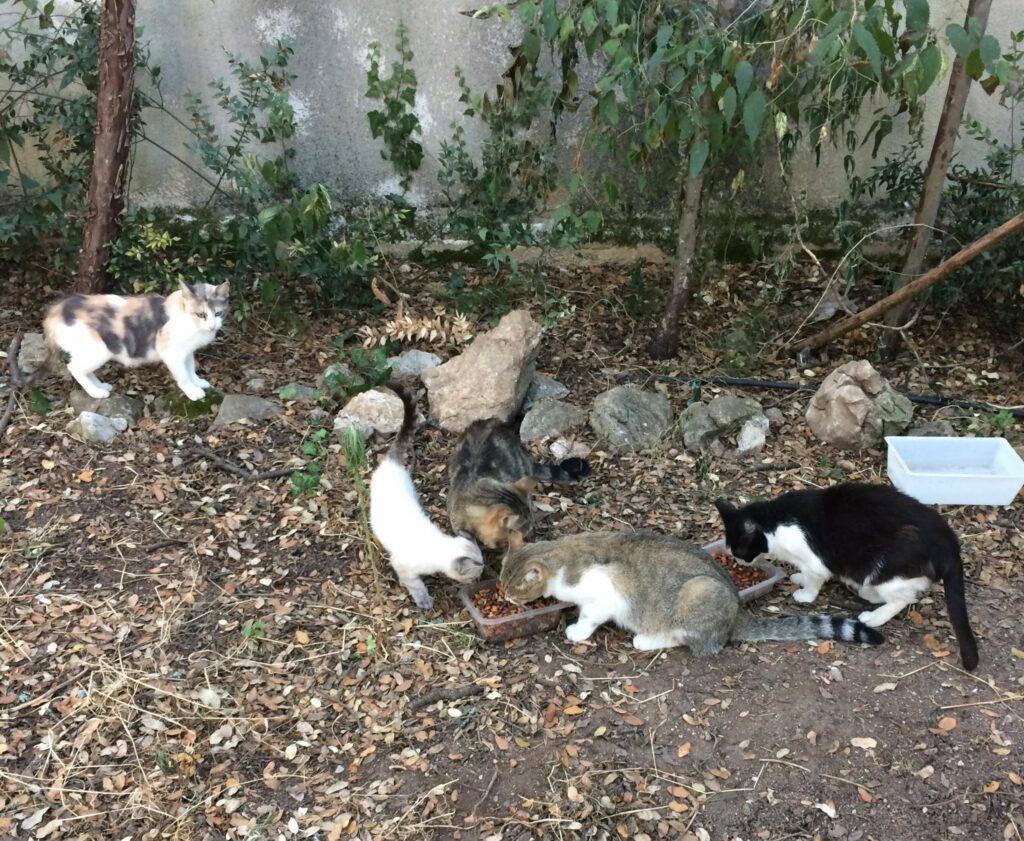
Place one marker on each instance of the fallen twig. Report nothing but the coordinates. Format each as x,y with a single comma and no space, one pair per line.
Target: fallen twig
486,794
12,401
449,693
241,472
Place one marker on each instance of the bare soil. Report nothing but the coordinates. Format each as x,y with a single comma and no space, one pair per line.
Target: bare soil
188,654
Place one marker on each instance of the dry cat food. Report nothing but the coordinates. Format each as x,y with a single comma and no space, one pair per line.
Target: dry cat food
742,575
491,603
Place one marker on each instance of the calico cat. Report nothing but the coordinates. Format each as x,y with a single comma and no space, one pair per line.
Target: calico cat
882,544
93,329
666,591
491,475
416,547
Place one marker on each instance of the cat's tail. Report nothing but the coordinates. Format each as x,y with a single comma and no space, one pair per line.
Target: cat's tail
401,449
750,628
956,604
564,473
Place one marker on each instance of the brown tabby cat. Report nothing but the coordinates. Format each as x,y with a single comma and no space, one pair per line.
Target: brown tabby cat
666,591
491,475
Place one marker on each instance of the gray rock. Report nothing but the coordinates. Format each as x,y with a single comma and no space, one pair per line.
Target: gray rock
856,407
96,429
752,434
549,418
256,385
33,353
543,386
934,428
377,410
629,418
413,362
240,407
297,392
775,415
490,378
177,404
697,427
335,376
728,411
118,406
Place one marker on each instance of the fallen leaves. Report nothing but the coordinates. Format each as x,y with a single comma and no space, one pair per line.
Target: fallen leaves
947,724
864,742
683,750
884,687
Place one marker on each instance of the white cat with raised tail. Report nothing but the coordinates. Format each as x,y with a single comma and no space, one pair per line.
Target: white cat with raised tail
415,546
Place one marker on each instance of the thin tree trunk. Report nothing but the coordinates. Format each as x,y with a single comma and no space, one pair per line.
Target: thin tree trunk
666,339
935,175
908,291
106,200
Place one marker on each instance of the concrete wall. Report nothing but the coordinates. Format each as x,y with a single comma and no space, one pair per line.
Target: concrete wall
189,38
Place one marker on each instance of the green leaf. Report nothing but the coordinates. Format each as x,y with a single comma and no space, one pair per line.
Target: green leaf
566,29
588,20
781,125
867,43
989,49
974,66
609,109
729,104
917,14
698,156
531,47
959,38
744,76
753,114
930,59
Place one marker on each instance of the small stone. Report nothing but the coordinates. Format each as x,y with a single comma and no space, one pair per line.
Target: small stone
563,448
256,384
297,392
752,435
934,428
336,377
697,427
177,404
727,410
775,416
549,418
543,386
117,406
244,407
376,411
413,362
96,429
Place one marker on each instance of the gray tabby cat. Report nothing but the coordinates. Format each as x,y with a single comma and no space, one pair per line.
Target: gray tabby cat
666,591
491,475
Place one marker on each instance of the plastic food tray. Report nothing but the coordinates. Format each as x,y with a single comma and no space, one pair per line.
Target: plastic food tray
755,591
955,471
533,621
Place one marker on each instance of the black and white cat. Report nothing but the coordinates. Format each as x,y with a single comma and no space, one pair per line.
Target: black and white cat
882,544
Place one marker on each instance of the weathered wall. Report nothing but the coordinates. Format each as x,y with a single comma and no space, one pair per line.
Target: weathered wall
189,38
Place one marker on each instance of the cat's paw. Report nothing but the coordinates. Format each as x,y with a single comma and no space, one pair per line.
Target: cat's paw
797,578
193,392
100,392
872,619
577,632
202,383
805,596
423,601
646,642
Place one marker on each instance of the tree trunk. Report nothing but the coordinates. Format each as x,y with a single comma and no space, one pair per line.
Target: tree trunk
1011,227
106,200
935,175
666,339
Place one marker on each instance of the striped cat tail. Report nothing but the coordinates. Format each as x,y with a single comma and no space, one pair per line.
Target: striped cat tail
401,449
564,473
751,629
956,604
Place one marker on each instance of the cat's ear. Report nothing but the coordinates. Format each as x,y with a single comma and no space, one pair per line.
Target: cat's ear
725,509
534,572
222,290
186,291
515,540
466,565
525,485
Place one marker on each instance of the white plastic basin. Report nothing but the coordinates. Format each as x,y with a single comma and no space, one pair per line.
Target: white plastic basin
955,471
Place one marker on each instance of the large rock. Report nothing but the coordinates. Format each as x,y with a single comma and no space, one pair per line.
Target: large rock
549,418
856,407
96,429
378,410
118,406
33,352
412,363
629,418
490,378
702,424
244,407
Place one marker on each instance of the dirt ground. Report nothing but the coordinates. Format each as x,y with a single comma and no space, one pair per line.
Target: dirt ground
189,654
